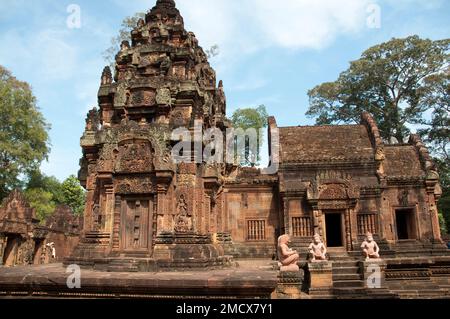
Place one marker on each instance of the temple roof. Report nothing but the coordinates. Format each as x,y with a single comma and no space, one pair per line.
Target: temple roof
325,143
402,161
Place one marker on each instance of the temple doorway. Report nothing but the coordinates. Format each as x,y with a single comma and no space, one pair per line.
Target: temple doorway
10,253
334,232
137,230
406,225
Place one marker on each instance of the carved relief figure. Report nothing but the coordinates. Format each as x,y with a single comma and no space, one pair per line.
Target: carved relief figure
370,248
52,248
317,249
287,256
183,220
403,197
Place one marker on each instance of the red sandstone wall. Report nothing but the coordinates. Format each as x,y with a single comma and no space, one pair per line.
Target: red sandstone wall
242,206
64,245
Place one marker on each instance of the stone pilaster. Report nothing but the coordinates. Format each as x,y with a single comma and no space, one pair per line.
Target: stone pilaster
373,273
321,276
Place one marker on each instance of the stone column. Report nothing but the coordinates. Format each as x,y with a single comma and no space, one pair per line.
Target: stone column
318,225
109,212
353,226
434,217
348,230
287,223
90,187
162,211
116,223
2,247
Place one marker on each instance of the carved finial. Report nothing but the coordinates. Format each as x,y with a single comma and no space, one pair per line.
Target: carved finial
93,120
124,45
140,23
166,3
106,76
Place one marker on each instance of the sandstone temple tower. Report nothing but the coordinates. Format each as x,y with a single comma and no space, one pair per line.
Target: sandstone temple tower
146,212
139,203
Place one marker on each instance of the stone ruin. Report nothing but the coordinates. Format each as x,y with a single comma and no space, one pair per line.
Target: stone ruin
25,241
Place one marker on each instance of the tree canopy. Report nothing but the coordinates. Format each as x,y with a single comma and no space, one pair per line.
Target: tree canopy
247,118
45,193
24,139
396,81
73,195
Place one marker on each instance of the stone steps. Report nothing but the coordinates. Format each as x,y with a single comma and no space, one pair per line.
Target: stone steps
345,270
342,277
348,283
122,265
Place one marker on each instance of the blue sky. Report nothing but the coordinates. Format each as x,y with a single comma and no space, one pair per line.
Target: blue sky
270,52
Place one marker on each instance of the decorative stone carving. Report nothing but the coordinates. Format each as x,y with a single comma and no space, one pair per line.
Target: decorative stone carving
317,249
403,195
93,120
287,256
163,97
143,98
183,219
134,185
134,157
122,95
370,248
106,76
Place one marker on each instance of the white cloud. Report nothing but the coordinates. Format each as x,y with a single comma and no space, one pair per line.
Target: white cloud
291,24
408,4
247,26
46,53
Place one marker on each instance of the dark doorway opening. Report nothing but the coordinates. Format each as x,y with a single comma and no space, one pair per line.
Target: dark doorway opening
405,221
333,224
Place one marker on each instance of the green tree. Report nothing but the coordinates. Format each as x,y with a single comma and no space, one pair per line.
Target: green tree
391,81
42,201
74,195
250,118
436,131
444,202
24,140
128,24
37,180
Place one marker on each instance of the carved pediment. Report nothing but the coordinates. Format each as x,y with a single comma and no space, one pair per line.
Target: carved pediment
332,186
16,207
134,185
135,156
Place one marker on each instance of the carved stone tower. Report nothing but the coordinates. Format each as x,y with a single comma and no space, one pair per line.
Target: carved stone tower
144,210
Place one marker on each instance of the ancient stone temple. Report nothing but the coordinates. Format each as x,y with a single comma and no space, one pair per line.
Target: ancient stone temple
24,241
142,208
144,211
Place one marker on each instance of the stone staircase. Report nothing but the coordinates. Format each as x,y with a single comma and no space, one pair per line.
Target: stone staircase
347,278
123,265
414,289
415,248
347,283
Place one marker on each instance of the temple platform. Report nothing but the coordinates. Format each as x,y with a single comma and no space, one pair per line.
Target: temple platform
250,280
402,278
